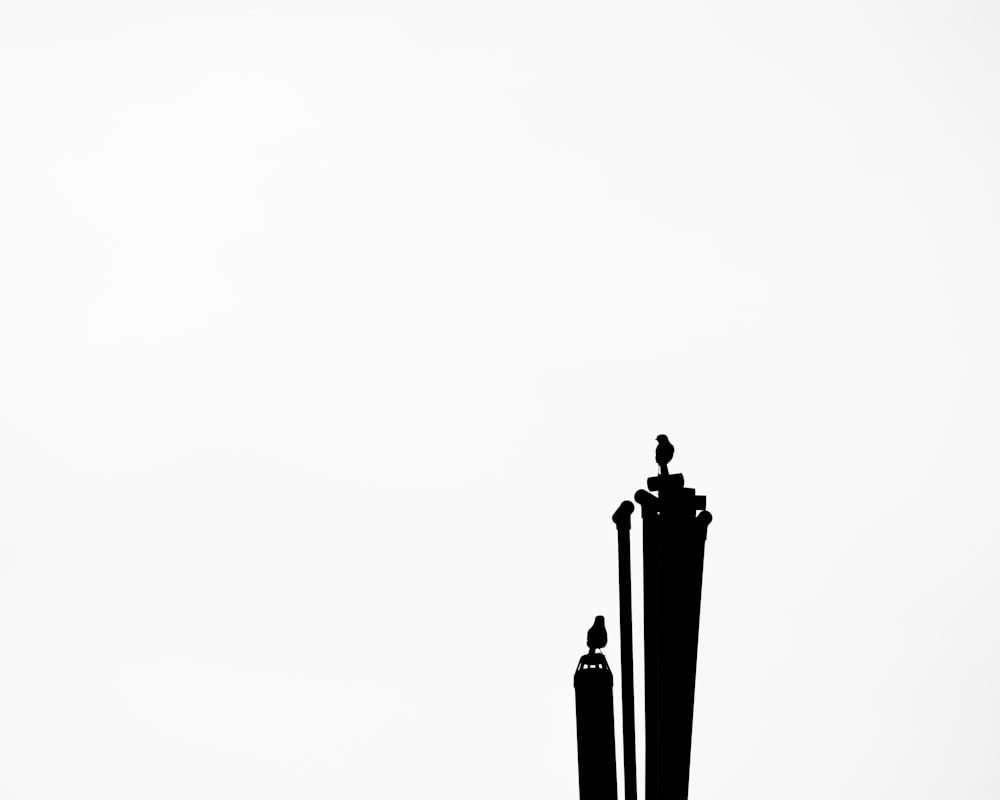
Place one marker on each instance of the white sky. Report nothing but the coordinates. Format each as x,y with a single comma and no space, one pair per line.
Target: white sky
331,335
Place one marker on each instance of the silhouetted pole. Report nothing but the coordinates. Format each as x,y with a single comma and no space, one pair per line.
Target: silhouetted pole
651,640
623,521
595,728
673,538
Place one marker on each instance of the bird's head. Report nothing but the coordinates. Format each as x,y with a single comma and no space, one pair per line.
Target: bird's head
598,620
662,439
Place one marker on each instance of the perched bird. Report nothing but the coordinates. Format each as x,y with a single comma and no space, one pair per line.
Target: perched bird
597,636
664,452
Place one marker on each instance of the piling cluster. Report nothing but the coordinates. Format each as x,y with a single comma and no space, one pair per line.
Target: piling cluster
674,531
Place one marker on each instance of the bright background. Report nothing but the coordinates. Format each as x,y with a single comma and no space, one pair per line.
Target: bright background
331,335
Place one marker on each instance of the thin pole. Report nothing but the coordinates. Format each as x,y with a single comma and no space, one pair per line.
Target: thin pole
651,590
623,521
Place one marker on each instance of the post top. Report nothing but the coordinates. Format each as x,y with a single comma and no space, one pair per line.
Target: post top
622,516
592,667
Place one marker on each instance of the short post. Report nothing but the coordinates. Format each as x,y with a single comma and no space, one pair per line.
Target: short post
595,728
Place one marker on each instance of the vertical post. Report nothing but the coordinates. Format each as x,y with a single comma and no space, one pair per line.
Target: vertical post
680,603
675,562
623,521
651,588
595,728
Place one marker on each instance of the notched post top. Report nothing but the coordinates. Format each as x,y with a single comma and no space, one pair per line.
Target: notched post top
597,638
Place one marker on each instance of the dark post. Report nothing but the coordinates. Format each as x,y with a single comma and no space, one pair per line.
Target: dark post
623,521
674,536
595,727
651,630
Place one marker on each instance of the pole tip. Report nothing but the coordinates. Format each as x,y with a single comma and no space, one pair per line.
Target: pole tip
624,512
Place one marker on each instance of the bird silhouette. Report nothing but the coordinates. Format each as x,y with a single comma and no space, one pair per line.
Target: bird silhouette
664,452
597,636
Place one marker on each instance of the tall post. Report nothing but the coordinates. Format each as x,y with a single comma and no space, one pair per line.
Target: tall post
623,522
651,640
674,536
595,728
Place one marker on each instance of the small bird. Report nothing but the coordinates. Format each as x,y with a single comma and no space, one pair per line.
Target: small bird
664,452
597,636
